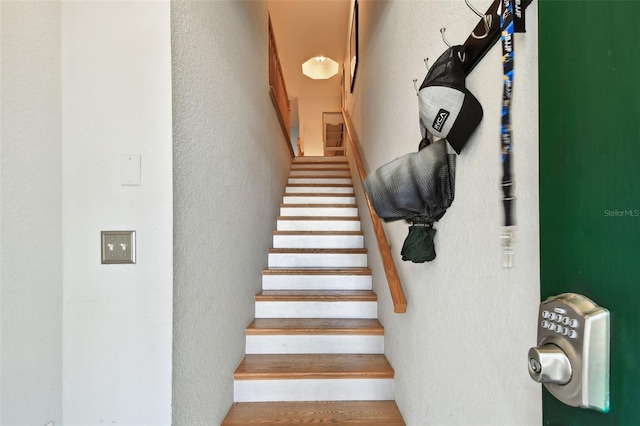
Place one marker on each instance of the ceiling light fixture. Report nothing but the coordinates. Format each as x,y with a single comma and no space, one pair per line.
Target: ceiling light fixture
320,68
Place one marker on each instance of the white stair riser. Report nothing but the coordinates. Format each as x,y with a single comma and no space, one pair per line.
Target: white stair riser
319,190
323,173
317,310
320,180
317,225
319,211
301,199
317,260
313,390
318,241
296,166
319,159
316,282
315,344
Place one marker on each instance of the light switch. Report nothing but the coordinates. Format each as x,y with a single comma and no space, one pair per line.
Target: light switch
131,169
118,246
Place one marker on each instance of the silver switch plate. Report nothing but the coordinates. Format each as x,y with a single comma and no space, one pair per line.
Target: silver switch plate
118,247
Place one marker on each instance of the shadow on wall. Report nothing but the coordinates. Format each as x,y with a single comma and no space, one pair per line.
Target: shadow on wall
375,11
293,139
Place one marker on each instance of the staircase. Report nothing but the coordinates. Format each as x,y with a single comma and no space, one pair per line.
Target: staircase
315,352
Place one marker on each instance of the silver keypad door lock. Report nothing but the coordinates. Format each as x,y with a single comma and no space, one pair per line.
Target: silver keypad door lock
572,356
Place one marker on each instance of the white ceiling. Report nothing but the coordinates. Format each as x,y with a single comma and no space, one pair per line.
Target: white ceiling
308,28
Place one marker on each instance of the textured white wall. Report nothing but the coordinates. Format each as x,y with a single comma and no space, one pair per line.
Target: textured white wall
116,99
460,350
30,214
230,168
1,213
310,112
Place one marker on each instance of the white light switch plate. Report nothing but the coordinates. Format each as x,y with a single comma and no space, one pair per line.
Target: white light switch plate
131,170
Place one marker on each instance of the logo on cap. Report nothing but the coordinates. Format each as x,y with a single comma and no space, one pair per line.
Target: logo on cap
440,119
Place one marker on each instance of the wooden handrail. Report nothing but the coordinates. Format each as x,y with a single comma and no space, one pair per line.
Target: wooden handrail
300,148
278,90
395,286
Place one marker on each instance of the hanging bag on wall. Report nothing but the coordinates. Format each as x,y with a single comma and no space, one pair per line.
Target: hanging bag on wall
419,187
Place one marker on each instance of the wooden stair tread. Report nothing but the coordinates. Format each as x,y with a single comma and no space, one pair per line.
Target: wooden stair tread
319,205
321,176
344,168
316,295
337,233
318,218
289,326
315,159
330,412
316,271
320,158
317,251
325,176
320,166
314,366
320,185
317,194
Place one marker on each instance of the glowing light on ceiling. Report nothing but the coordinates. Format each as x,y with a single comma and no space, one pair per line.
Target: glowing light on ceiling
320,68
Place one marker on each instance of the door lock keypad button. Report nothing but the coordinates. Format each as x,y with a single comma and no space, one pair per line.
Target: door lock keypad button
554,322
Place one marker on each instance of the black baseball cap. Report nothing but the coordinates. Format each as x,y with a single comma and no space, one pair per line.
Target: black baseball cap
447,108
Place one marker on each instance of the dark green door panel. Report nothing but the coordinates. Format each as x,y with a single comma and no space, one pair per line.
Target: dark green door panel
589,56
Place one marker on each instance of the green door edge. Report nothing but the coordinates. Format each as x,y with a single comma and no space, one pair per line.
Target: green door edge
589,79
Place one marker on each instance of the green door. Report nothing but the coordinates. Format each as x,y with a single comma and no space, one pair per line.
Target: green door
589,55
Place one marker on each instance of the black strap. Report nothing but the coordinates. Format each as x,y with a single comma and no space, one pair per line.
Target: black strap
518,16
506,24
508,200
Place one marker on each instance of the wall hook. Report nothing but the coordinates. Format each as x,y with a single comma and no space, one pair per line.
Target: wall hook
475,49
486,19
461,56
442,30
